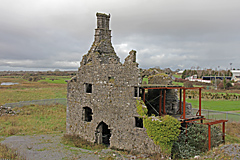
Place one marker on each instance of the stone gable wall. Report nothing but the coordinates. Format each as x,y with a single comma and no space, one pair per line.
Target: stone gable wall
112,101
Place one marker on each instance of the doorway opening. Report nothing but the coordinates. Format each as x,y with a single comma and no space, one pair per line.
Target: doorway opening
103,134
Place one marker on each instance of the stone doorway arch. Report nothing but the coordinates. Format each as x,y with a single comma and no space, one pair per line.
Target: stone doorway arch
103,134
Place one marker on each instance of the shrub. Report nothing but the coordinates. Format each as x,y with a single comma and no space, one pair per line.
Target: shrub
188,84
194,140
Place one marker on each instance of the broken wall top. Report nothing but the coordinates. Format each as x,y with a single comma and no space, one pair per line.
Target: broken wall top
101,50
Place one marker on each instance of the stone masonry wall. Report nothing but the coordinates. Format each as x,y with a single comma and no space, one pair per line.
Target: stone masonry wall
111,101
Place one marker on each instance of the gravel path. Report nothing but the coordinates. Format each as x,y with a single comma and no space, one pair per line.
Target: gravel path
40,147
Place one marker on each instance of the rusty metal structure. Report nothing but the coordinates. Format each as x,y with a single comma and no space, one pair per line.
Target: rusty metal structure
181,116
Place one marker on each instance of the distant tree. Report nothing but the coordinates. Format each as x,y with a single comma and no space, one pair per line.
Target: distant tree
224,83
228,85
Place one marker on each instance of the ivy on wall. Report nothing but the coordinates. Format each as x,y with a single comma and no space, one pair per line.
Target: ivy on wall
164,131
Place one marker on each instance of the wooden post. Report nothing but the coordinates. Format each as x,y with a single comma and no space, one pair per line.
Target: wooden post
184,103
223,130
200,102
209,137
180,102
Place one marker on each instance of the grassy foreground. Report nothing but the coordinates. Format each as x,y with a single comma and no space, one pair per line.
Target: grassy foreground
34,120
37,120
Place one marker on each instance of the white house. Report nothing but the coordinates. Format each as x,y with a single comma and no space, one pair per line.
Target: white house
235,75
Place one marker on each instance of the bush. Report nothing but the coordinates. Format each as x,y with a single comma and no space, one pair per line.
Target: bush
188,84
194,140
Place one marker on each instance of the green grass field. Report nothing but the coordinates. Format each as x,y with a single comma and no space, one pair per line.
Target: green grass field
27,91
177,83
217,105
56,79
177,76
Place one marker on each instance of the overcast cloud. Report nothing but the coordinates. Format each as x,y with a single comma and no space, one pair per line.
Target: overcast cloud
54,34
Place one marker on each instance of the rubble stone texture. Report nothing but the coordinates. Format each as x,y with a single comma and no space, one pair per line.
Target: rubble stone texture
101,104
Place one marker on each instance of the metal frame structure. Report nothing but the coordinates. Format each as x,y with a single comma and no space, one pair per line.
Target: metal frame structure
164,88
183,116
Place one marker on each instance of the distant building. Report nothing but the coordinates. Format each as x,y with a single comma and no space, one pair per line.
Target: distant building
179,73
194,79
235,75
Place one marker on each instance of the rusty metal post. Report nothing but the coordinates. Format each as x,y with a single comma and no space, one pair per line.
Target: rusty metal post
184,103
223,130
144,95
209,137
160,103
180,102
200,102
164,101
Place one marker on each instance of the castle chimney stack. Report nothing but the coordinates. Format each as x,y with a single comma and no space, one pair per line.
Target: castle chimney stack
102,31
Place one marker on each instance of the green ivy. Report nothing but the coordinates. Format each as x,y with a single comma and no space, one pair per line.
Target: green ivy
141,108
164,131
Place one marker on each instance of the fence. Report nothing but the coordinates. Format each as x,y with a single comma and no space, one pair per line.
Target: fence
37,102
209,114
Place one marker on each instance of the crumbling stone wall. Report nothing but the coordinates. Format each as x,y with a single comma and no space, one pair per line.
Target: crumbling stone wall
102,95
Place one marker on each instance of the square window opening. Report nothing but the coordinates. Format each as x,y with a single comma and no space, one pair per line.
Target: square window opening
138,122
88,88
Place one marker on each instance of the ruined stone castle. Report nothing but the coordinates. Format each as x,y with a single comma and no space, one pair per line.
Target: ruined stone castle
102,97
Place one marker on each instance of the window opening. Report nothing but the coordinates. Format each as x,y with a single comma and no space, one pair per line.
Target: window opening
88,88
136,91
87,114
138,122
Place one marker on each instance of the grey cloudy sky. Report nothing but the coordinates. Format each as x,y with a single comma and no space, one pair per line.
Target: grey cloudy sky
54,34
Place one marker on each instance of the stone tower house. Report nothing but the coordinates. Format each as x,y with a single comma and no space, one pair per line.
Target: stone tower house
102,97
